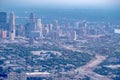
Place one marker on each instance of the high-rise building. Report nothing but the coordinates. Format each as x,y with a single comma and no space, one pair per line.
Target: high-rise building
12,26
3,17
77,24
38,24
32,17
55,36
50,28
75,35
71,35
30,26
39,27
84,26
20,30
56,25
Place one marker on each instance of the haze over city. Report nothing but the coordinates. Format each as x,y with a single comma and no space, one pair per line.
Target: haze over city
59,40
61,3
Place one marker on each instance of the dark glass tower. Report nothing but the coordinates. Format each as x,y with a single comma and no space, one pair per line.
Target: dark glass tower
32,17
3,17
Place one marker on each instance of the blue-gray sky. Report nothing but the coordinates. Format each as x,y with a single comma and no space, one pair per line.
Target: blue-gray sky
61,3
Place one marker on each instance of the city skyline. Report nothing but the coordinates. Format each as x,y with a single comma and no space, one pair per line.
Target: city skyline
76,48
59,40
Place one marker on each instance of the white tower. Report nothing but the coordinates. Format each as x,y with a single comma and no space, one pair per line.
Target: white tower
12,26
39,27
75,35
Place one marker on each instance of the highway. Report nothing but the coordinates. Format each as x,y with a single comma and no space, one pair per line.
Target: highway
90,66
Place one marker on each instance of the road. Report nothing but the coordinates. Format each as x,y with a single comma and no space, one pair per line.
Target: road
90,66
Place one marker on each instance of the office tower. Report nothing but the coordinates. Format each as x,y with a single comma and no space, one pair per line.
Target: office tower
3,19
12,26
38,24
56,25
108,29
55,36
39,27
77,24
56,22
84,26
32,17
71,35
46,31
30,26
50,28
75,35
20,30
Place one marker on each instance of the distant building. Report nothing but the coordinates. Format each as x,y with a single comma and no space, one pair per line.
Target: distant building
23,76
84,26
50,28
3,33
3,21
68,25
39,27
46,30
117,31
37,76
77,24
32,17
56,25
20,31
3,17
12,26
34,27
31,41
12,76
55,36
28,76
74,35
30,25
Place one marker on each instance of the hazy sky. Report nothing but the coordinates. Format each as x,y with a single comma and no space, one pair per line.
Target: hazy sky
61,3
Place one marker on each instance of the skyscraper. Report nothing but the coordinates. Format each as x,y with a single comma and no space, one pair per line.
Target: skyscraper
12,26
75,35
84,26
3,19
30,26
32,17
39,27
50,28
56,25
